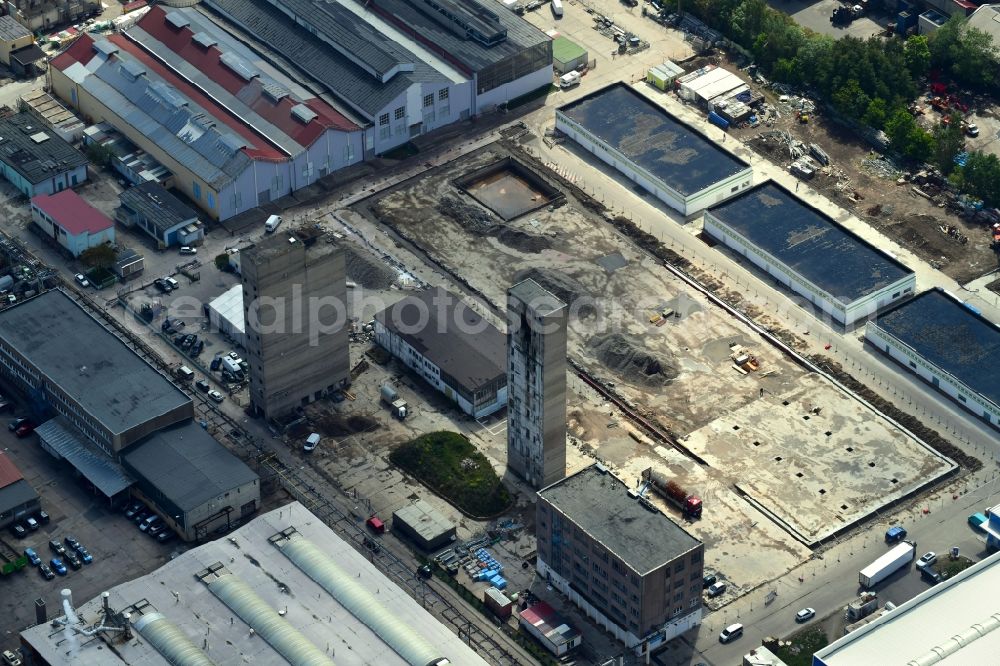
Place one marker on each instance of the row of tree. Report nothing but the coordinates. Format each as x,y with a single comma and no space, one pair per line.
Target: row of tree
872,81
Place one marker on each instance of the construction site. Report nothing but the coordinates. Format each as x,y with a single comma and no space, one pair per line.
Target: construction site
767,452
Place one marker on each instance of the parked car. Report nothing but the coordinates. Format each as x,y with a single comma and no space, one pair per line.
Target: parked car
202,385
187,341
977,520
73,560
72,543
216,396
731,633
165,536
43,518
25,429
58,566
179,339
46,572
31,523
156,528
216,364
805,615
934,577
187,249
57,547
32,556
312,441
927,559
149,522
716,589
424,571
895,534
972,129
141,516
82,280
197,348
12,658
132,509
174,284
85,555
708,580
18,530
16,423
161,286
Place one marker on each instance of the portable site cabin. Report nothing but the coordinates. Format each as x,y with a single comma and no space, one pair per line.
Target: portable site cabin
663,76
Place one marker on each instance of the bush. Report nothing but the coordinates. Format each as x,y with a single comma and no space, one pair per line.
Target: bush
450,465
222,262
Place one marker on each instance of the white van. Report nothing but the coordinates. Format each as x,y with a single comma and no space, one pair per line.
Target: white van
185,373
312,441
272,224
569,80
557,8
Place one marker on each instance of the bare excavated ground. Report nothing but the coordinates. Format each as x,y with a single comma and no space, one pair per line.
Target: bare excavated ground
679,374
873,195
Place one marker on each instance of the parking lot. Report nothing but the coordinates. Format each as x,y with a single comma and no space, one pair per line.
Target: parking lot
816,17
120,551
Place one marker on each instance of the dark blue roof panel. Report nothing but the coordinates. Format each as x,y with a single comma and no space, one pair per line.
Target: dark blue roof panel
809,242
677,154
950,336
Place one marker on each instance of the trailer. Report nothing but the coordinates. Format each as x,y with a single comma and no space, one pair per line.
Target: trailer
673,492
396,404
891,562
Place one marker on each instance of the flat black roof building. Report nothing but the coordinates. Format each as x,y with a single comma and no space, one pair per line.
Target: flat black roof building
469,350
80,360
653,139
809,242
34,151
950,336
183,467
157,206
599,504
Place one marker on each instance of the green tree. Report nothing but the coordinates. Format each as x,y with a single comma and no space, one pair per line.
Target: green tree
981,177
876,113
908,138
917,55
851,100
948,142
99,256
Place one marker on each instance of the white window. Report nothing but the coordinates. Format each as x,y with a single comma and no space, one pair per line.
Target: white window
428,100
442,94
400,113
383,119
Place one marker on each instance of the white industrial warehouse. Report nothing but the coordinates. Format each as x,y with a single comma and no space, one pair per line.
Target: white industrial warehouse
839,273
948,345
282,589
674,162
225,314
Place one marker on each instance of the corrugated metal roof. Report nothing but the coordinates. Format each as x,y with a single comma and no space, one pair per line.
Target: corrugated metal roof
9,473
266,622
342,78
10,29
360,601
170,641
59,435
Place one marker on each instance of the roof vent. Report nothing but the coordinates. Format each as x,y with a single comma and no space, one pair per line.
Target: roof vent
238,66
275,92
304,113
40,137
601,468
204,40
132,70
105,47
178,20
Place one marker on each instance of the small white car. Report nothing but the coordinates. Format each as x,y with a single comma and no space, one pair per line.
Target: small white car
174,284
927,560
805,615
716,589
187,249
731,633
972,129
216,396
81,280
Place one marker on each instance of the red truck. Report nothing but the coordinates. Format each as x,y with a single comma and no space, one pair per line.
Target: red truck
674,493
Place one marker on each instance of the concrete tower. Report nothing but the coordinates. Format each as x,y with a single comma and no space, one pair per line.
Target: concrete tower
294,301
536,381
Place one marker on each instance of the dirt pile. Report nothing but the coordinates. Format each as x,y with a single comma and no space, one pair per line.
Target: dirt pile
628,356
335,425
472,218
523,241
366,271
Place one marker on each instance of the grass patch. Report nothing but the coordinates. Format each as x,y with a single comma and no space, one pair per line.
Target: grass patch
408,149
449,464
799,648
948,567
531,96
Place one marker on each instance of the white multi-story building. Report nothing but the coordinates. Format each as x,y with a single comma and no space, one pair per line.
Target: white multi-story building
536,376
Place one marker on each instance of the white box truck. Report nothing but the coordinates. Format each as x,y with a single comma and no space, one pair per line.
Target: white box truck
569,80
557,8
891,562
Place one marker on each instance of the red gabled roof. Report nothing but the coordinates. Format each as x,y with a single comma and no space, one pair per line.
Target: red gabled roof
9,473
208,62
71,212
81,50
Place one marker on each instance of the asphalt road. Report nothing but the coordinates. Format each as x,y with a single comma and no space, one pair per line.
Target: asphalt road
829,584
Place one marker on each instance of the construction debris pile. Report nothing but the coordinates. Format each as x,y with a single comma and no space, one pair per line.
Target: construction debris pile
474,219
